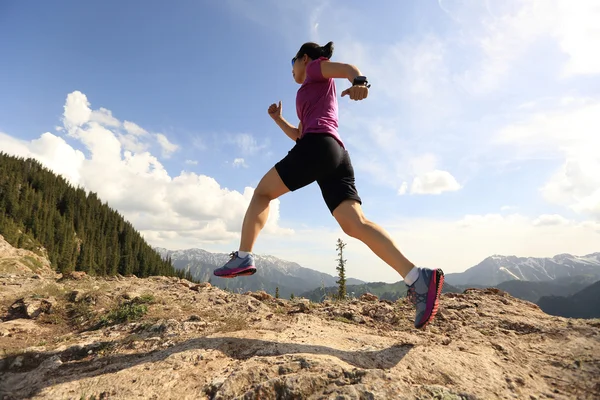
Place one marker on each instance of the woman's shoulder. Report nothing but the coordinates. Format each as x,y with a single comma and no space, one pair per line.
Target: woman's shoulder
313,70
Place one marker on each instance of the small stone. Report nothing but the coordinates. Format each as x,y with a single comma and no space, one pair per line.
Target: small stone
368,297
74,275
51,363
261,295
202,285
17,363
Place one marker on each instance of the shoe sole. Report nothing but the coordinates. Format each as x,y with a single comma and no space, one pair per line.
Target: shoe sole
247,272
439,279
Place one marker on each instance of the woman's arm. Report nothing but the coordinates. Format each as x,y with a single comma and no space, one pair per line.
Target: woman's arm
340,70
331,69
289,129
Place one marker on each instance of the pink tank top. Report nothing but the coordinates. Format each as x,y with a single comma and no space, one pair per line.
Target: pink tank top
316,103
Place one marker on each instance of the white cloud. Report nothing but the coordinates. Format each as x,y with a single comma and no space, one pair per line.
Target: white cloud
105,117
239,162
167,147
134,129
508,34
578,31
77,110
589,205
190,209
403,188
191,162
135,139
550,219
569,134
247,143
93,127
434,182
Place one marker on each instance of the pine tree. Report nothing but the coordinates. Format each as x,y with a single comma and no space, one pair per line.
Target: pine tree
341,270
277,292
40,210
292,296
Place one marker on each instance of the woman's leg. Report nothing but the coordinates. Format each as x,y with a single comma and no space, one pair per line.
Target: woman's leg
269,188
426,286
350,216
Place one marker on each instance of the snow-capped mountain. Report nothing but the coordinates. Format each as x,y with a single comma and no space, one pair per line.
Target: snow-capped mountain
497,269
272,272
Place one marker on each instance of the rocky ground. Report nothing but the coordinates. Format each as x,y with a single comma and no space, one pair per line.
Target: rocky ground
79,337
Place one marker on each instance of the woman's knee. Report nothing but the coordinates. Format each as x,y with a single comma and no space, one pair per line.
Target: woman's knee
271,186
351,219
353,227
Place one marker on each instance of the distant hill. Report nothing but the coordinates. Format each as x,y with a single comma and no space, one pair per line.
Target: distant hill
583,304
40,211
532,291
272,273
497,269
385,291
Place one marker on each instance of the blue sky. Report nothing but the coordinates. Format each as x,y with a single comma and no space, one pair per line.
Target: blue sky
476,138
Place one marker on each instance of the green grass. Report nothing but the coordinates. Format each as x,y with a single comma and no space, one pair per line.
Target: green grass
49,290
127,311
32,263
344,320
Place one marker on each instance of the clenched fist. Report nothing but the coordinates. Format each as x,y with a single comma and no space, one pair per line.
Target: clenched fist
275,111
357,92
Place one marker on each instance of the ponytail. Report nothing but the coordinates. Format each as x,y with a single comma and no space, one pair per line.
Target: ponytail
314,51
327,50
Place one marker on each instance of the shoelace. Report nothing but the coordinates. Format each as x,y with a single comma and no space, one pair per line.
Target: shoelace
232,255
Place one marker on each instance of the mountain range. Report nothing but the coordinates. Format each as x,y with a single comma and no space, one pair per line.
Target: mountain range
527,278
497,269
273,273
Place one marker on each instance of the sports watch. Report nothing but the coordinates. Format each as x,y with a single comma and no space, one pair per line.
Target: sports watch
361,81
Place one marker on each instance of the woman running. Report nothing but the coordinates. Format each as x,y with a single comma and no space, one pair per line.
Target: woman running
320,155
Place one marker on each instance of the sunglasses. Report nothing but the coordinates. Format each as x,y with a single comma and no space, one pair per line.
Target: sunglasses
295,59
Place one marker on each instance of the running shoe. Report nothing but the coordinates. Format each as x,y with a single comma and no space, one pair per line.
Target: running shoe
424,293
236,266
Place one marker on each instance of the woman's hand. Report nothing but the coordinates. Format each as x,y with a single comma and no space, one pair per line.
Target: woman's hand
275,111
357,92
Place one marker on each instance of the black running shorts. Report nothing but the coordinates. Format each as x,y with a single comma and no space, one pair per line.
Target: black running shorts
319,157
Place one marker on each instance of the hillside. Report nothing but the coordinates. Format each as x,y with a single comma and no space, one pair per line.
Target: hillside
583,304
74,336
533,291
272,272
385,291
40,211
497,269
